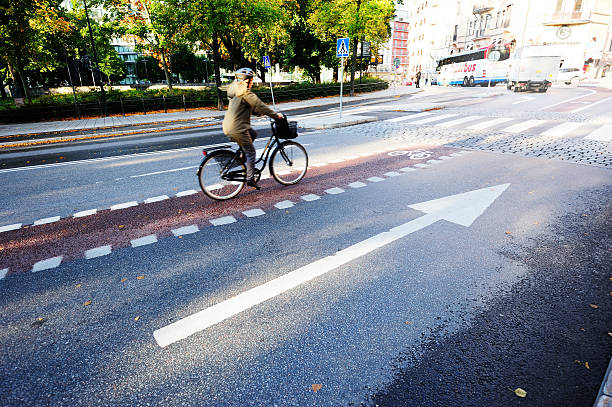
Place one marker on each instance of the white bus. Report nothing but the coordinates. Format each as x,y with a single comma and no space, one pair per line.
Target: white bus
475,67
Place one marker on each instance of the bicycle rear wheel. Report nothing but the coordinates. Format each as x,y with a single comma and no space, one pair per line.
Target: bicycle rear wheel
221,175
289,162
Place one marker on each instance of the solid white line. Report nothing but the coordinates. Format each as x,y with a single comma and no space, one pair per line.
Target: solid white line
3,273
251,213
97,252
187,193
318,165
433,119
409,117
604,133
185,230
219,312
375,179
357,184
44,221
334,191
486,123
164,172
225,220
459,121
561,129
85,213
351,157
142,241
591,105
8,228
123,205
156,199
283,204
522,126
569,100
53,262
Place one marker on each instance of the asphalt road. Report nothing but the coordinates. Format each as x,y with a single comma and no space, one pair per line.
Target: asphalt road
358,291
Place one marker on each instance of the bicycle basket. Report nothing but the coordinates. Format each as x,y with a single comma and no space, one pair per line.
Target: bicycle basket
286,129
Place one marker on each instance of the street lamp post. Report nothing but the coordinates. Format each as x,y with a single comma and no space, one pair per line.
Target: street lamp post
93,46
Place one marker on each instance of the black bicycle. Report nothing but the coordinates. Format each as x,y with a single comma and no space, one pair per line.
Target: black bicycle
222,173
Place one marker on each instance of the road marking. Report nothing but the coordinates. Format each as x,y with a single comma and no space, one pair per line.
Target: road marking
433,119
336,161
225,220
123,205
97,252
459,121
319,165
164,172
187,193
44,221
462,209
392,174
310,197
85,213
156,199
522,126
604,133
434,161
375,179
51,263
561,129
284,204
420,165
445,157
523,100
407,169
456,155
186,230
254,212
569,100
357,184
143,241
3,273
485,124
591,105
334,191
8,228
351,157
409,117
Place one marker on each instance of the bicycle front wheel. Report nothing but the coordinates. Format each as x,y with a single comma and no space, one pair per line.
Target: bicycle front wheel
222,175
289,162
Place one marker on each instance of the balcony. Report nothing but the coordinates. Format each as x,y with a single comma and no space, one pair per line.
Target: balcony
568,18
483,7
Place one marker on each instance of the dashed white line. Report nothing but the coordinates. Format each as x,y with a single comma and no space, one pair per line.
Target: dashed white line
85,213
225,220
142,241
408,169
97,252
375,179
310,197
251,213
51,263
8,228
420,165
434,161
392,174
283,204
456,155
445,157
187,193
123,205
164,172
334,191
156,199
3,273
357,184
185,230
44,221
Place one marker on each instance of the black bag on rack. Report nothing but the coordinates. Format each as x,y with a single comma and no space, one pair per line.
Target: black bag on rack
286,129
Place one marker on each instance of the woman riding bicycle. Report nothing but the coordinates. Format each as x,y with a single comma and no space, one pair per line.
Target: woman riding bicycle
237,120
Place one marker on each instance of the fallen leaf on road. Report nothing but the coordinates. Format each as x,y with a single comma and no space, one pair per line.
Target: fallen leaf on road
123,280
610,333
316,387
121,226
38,322
594,306
408,322
520,392
78,285
139,277
508,233
86,303
586,364
137,318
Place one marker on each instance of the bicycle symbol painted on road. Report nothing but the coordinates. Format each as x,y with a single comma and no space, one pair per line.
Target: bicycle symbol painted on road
414,154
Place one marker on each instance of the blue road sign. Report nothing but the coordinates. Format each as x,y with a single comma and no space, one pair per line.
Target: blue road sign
342,47
267,62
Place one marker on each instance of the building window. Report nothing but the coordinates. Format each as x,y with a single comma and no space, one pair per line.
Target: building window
578,5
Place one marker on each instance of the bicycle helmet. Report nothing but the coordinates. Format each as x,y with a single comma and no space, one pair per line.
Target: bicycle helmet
244,74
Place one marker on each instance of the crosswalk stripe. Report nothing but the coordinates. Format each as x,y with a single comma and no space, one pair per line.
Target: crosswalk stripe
485,124
409,117
433,119
604,133
459,121
522,126
561,129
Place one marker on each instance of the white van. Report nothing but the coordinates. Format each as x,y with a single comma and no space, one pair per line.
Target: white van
533,68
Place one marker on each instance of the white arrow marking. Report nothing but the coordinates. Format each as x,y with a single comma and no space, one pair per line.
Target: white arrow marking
462,209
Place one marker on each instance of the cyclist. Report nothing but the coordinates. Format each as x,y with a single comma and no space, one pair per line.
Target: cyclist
237,120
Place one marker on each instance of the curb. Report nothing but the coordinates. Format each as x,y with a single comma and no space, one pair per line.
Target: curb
604,397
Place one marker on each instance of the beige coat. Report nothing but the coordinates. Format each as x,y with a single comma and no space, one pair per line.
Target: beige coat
242,104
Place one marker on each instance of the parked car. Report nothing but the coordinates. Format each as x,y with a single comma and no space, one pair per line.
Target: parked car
569,76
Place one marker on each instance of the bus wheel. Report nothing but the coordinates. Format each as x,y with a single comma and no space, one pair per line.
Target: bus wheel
509,86
465,81
471,81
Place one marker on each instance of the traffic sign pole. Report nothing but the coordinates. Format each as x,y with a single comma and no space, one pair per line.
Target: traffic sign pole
342,50
267,65
341,82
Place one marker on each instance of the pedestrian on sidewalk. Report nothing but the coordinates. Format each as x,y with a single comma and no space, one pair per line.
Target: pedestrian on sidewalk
237,120
417,79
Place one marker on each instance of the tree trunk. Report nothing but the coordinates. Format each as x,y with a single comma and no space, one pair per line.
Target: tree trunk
166,71
216,62
318,77
354,58
335,77
263,74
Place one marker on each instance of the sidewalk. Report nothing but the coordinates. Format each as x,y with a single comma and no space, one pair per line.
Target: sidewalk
204,115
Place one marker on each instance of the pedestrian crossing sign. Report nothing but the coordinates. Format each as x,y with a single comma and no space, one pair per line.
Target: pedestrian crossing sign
266,62
342,47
